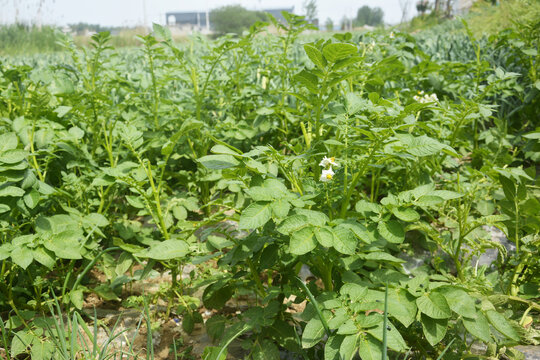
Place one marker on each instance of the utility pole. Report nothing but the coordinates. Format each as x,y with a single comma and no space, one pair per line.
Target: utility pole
145,16
39,15
16,6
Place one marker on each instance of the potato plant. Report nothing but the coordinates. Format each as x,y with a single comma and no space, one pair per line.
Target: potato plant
383,164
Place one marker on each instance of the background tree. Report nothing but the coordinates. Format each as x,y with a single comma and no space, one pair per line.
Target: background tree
404,6
345,23
329,25
310,9
369,16
422,6
234,19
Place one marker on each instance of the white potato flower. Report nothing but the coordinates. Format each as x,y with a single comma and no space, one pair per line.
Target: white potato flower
328,161
425,98
327,175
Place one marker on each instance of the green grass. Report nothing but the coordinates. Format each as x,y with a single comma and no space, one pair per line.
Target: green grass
28,40
483,18
486,19
22,40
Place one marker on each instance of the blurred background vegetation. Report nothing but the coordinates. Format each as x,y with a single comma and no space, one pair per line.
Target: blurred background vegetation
484,18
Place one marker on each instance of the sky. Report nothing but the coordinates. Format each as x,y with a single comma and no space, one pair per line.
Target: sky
132,12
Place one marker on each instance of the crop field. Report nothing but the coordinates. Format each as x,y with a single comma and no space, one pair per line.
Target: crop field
283,195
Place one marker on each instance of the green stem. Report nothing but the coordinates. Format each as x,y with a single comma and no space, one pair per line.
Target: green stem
354,181
157,200
327,277
90,266
155,94
260,288
307,137
315,304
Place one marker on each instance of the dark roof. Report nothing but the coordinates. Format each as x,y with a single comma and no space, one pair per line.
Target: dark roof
199,18
277,13
193,18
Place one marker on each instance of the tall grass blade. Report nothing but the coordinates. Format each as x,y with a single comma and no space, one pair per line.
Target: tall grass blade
446,349
385,325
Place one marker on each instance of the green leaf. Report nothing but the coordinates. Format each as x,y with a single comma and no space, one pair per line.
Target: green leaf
259,193
337,51
381,256
391,231
161,31
8,141
348,347
13,156
406,214
222,149
313,333
434,305
218,162
303,241
478,327
446,194
315,56
280,208
369,348
354,104
167,250
77,298
429,200
459,301
394,339
434,329
423,146
509,187
364,207
533,135
20,342
325,236
61,111
214,353
347,328
41,350
331,348
96,219
215,326
31,199
11,191
255,165
218,242
266,350
5,251
344,240
292,223
402,306
255,215
22,256
76,132
44,257
216,295
188,322
29,179
502,325
308,79
359,230
356,292
105,292
66,244
315,218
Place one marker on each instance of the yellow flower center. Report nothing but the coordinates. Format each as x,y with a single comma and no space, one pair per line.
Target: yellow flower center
329,176
332,159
